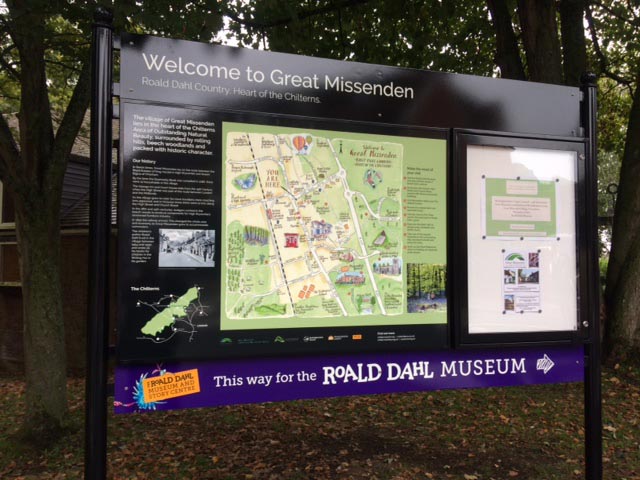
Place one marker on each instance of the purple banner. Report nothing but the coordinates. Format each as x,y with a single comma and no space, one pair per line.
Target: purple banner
228,382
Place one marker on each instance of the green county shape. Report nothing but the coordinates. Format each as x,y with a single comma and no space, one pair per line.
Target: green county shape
165,318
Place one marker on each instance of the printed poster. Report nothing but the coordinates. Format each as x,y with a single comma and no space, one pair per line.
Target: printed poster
521,282
520,208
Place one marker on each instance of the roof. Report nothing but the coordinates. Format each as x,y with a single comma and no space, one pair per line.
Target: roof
75,194
74,207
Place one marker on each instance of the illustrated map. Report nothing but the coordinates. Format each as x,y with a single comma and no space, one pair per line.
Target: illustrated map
313,226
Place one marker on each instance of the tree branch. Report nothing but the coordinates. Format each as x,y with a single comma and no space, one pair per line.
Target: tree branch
71,122
73,45
507,52
9,68
5,64
615,14
299,16
602,59
66,66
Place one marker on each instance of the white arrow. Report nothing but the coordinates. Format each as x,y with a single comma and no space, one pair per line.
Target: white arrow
545,364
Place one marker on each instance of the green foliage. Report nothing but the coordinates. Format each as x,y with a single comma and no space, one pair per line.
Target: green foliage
614,106
197,20
603,264
427,34
615,22
66,48
68,31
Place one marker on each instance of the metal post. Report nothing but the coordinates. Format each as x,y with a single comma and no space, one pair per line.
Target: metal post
592,384
99,233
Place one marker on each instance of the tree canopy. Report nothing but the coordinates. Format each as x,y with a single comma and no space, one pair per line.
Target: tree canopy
444,36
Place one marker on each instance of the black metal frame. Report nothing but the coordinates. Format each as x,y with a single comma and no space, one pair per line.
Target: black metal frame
99,234
592,377
463,139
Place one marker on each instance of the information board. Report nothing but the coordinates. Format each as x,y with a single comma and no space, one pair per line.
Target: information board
248,238
169,246
285,228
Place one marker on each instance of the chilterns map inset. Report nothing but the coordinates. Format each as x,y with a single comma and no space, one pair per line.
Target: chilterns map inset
174,315
313,225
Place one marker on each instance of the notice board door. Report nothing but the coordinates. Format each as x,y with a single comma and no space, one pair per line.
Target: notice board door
519,207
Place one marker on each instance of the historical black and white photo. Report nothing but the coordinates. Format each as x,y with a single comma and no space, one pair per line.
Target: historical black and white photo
186,248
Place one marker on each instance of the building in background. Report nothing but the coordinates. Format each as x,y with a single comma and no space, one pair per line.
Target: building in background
74,211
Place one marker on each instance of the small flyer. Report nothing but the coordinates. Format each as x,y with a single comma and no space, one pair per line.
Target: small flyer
521,282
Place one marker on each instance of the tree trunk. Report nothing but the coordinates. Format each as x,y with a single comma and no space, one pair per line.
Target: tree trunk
574,50
622,296
39,173
507,53
540,38
34,175
622,334
37,228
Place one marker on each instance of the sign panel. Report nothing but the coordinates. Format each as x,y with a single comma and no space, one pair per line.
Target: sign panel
226,78
171,386
271,205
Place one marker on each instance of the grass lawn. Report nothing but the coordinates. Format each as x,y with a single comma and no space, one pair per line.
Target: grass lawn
531,433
